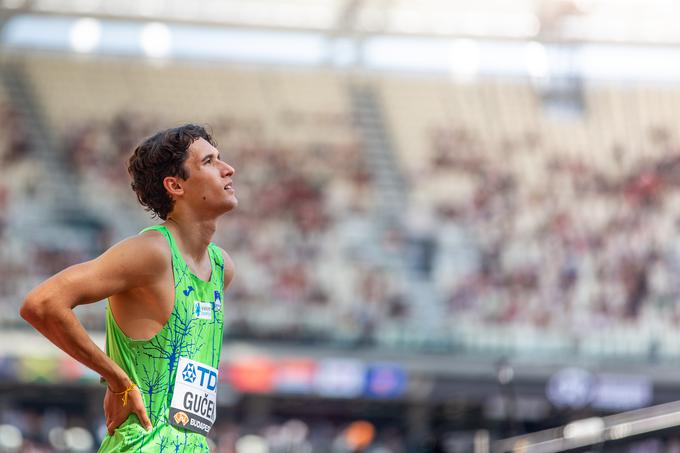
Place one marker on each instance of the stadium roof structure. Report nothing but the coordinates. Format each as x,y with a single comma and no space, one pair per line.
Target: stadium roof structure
601,21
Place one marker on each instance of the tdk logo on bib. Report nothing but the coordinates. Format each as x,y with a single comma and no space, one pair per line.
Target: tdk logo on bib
202,376
189,373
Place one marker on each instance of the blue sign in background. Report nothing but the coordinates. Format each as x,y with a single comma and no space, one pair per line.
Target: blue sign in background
385,381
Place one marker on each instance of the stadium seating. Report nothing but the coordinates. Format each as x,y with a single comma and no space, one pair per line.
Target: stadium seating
549,233
547,228
21,179
299,233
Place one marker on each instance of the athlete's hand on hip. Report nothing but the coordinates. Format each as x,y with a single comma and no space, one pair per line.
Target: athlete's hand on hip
119,405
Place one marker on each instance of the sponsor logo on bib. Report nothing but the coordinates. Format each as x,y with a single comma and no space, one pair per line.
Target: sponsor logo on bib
181,417
194,401
189,373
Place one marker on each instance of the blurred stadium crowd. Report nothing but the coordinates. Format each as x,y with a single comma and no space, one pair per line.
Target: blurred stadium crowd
522,232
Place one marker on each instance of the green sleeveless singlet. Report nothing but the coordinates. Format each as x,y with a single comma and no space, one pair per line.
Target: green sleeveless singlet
193,332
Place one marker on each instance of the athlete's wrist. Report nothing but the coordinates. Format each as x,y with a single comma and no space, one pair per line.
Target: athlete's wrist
118,383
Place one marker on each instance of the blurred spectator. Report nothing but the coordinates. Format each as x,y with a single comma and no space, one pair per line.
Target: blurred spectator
564,242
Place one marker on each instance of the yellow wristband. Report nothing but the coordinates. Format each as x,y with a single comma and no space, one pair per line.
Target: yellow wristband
124,393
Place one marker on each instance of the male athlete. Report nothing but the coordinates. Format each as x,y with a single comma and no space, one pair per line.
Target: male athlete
165,289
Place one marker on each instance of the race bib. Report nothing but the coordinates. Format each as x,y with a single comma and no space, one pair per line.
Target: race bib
194,402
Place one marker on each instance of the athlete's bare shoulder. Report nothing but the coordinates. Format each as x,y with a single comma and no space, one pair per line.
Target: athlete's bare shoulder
136,261
147,249
154,242
228,268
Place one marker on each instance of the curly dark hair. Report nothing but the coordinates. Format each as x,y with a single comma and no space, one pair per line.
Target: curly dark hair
159,156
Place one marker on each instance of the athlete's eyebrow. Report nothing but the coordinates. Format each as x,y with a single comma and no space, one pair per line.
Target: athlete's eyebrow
207,157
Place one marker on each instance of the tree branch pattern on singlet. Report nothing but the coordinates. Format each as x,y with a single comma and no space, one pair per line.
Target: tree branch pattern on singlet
152,364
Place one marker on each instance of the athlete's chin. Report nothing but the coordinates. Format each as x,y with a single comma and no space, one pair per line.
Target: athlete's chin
231,204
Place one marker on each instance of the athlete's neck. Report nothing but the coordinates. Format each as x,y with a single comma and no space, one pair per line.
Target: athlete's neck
193,236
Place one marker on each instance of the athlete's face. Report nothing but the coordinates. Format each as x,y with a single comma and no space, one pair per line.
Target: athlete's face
209,186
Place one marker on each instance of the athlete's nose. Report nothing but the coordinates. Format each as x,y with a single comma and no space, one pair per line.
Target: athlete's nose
227,170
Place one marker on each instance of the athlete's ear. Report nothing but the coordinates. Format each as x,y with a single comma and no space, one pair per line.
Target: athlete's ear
173,185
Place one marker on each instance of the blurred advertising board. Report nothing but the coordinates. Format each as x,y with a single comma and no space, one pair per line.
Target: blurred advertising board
385,381
295,376
340,378
576,388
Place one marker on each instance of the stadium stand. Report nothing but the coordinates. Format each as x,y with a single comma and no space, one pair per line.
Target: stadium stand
304,220
531,238
19,190
549,231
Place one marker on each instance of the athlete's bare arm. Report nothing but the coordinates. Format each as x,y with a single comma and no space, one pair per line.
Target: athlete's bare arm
136,264
228,269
